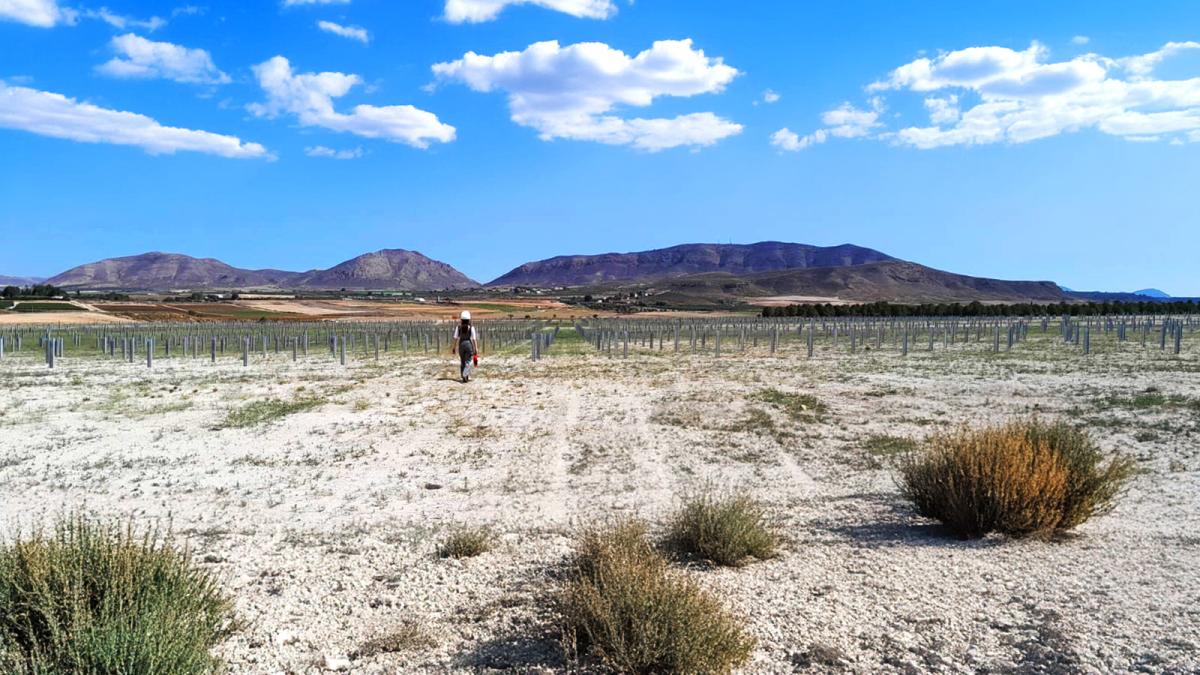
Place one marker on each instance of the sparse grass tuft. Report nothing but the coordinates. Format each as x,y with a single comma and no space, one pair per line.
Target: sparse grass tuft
624,607
890,446
756,421
408,636
89,597
467,542
727,530
1019,479
269,410
1151,398
799,407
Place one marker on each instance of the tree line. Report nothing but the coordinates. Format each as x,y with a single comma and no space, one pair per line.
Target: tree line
34,291
816,310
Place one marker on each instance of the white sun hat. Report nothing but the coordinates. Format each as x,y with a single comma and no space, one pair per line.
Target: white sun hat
465,316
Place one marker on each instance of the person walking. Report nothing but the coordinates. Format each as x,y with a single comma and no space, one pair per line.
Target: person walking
466,343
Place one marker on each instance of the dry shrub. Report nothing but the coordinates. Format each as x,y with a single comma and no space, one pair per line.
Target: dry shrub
1022,478
1092,485
624,607
724,529
467,542
91,597
408,636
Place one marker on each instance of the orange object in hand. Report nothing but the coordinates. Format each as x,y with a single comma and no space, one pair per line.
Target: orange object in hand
476,359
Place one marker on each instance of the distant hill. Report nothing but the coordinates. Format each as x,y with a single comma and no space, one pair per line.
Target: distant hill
735,259
388,269
383,270
166,271
892,281
1153,293
19,281
1105,296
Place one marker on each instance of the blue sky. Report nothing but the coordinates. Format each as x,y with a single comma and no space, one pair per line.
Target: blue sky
1025,140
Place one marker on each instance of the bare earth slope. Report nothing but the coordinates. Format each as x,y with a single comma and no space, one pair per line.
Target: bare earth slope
737,259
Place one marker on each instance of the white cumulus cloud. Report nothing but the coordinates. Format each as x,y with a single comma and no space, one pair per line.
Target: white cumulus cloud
55,115
121,22
330,153
350,32
570,92
1143,65
309,96
138,57
476,11
943,110
40,13
846,121
982,95
786,139
771,96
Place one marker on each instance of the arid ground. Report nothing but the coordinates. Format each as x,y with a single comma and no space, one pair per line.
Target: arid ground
319,495
290,309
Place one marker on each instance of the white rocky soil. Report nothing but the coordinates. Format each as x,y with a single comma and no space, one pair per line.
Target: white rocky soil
324,524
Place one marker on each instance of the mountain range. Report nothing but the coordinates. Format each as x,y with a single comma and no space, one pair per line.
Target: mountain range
688,274
891,280
19,281
391,269
736,259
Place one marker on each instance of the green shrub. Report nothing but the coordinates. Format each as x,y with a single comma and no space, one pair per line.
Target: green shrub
622,606
90,597
725,529
467,542
1019,479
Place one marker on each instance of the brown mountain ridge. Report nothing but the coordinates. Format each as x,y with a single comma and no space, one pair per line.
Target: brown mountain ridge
689,274
893,281
393,269
389,269
685,259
